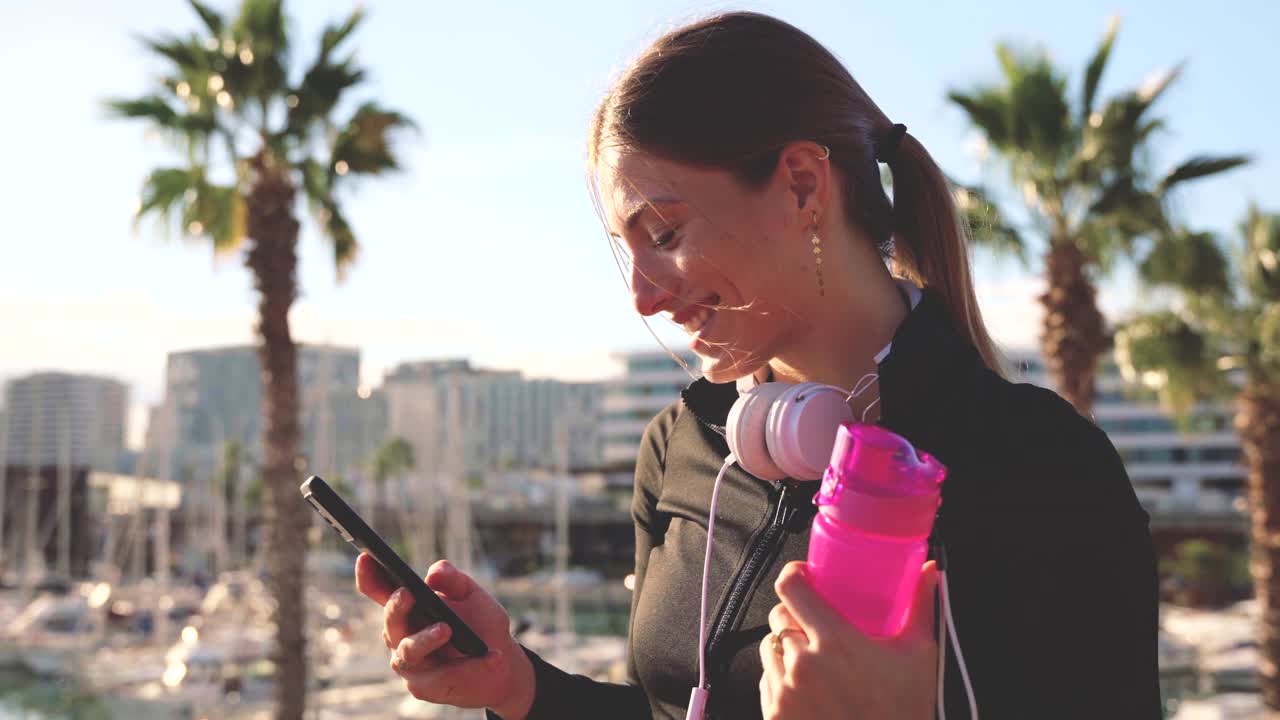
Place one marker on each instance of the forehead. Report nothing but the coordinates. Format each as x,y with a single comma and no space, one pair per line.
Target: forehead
631,180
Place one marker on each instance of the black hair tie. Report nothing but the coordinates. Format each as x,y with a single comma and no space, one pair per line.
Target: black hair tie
887,147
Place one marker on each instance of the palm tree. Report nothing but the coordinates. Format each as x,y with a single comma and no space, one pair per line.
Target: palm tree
1082,174
391,460
1223,341
251,138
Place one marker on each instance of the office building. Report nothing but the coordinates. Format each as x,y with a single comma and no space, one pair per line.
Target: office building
53,418
650,380
213,396
464,419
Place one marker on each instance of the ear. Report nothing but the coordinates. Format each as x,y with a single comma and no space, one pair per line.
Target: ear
805,172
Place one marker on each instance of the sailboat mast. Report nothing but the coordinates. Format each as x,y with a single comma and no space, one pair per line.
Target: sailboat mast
33,485
4,484
64,491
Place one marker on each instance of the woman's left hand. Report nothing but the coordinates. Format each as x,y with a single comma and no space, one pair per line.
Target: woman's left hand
830,669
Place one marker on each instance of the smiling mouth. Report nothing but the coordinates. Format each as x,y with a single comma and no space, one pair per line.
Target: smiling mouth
696,316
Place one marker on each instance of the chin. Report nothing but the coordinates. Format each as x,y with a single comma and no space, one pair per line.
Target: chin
720,370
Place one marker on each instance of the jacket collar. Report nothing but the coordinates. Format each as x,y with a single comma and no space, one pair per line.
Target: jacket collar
922,382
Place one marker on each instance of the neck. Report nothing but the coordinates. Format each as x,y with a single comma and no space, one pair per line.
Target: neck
840,344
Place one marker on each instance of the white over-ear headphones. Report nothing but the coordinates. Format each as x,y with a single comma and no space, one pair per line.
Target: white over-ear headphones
778,430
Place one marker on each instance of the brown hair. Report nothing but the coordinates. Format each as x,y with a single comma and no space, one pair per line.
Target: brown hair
732,90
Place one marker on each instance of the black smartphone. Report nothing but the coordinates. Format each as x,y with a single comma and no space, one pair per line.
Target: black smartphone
428,608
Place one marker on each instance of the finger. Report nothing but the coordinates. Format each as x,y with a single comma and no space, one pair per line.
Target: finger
780,618
920,621
395,616
442,682
774,669
790,635
449,582
415,648
813,614
766,696
372,581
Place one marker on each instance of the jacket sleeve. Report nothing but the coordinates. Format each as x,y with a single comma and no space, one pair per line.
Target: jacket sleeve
563,695
1065,622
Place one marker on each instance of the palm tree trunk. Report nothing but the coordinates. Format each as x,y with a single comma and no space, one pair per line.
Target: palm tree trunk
1258,425
1074,332
273,260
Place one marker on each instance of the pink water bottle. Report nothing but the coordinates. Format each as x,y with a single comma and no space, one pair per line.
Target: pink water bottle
875,511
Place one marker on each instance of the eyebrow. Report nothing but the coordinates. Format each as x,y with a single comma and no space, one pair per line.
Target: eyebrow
633,213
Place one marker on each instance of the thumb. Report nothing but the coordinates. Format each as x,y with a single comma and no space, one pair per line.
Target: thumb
921,620
450,582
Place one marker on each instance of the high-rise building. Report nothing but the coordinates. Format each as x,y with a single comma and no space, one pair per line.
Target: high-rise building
466,419
213,396
650,380
52,418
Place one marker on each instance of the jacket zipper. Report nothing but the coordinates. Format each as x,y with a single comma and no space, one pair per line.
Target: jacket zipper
764,546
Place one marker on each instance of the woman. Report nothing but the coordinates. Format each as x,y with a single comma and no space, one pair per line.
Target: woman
738,167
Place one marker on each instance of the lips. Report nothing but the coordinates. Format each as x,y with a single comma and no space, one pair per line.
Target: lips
695,316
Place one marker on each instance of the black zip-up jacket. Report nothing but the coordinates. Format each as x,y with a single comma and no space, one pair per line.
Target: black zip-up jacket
1049,557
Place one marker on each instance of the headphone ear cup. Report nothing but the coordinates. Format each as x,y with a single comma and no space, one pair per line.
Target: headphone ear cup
801,428
745,430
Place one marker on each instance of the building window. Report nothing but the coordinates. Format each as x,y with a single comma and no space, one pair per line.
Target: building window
1220,454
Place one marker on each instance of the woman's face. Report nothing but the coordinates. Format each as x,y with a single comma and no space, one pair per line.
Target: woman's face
724,262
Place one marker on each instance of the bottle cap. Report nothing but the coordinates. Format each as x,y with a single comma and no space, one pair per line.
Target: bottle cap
879,481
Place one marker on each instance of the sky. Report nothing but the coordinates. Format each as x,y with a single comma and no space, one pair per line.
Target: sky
487,245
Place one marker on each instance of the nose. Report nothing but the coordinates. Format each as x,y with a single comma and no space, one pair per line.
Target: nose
647,293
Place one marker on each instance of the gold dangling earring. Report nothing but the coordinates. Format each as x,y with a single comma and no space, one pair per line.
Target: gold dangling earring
817,255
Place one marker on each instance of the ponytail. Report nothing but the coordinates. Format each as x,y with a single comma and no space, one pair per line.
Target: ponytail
930,242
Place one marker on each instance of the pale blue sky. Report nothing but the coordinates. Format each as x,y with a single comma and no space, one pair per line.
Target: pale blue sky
488,245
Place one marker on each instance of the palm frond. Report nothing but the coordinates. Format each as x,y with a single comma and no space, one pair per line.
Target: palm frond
1156,85
187,53
163,191
319,92
317,185
341,236
1260,262
986,109
1169,355
199,208
1188,261
333,35
1093,71
211,18
261,23
1036,115
260,28
1268,334
1128,208
364,145
164,116
1201,166
1102,242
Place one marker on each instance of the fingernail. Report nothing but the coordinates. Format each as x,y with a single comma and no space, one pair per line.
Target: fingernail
398,596
436,630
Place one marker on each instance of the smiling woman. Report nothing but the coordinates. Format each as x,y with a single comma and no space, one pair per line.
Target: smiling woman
737,167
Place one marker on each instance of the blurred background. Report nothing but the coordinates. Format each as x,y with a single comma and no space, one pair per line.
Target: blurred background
405,183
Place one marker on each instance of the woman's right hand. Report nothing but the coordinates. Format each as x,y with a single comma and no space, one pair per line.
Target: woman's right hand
502,680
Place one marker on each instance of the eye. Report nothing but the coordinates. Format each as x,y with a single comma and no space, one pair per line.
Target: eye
666,239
